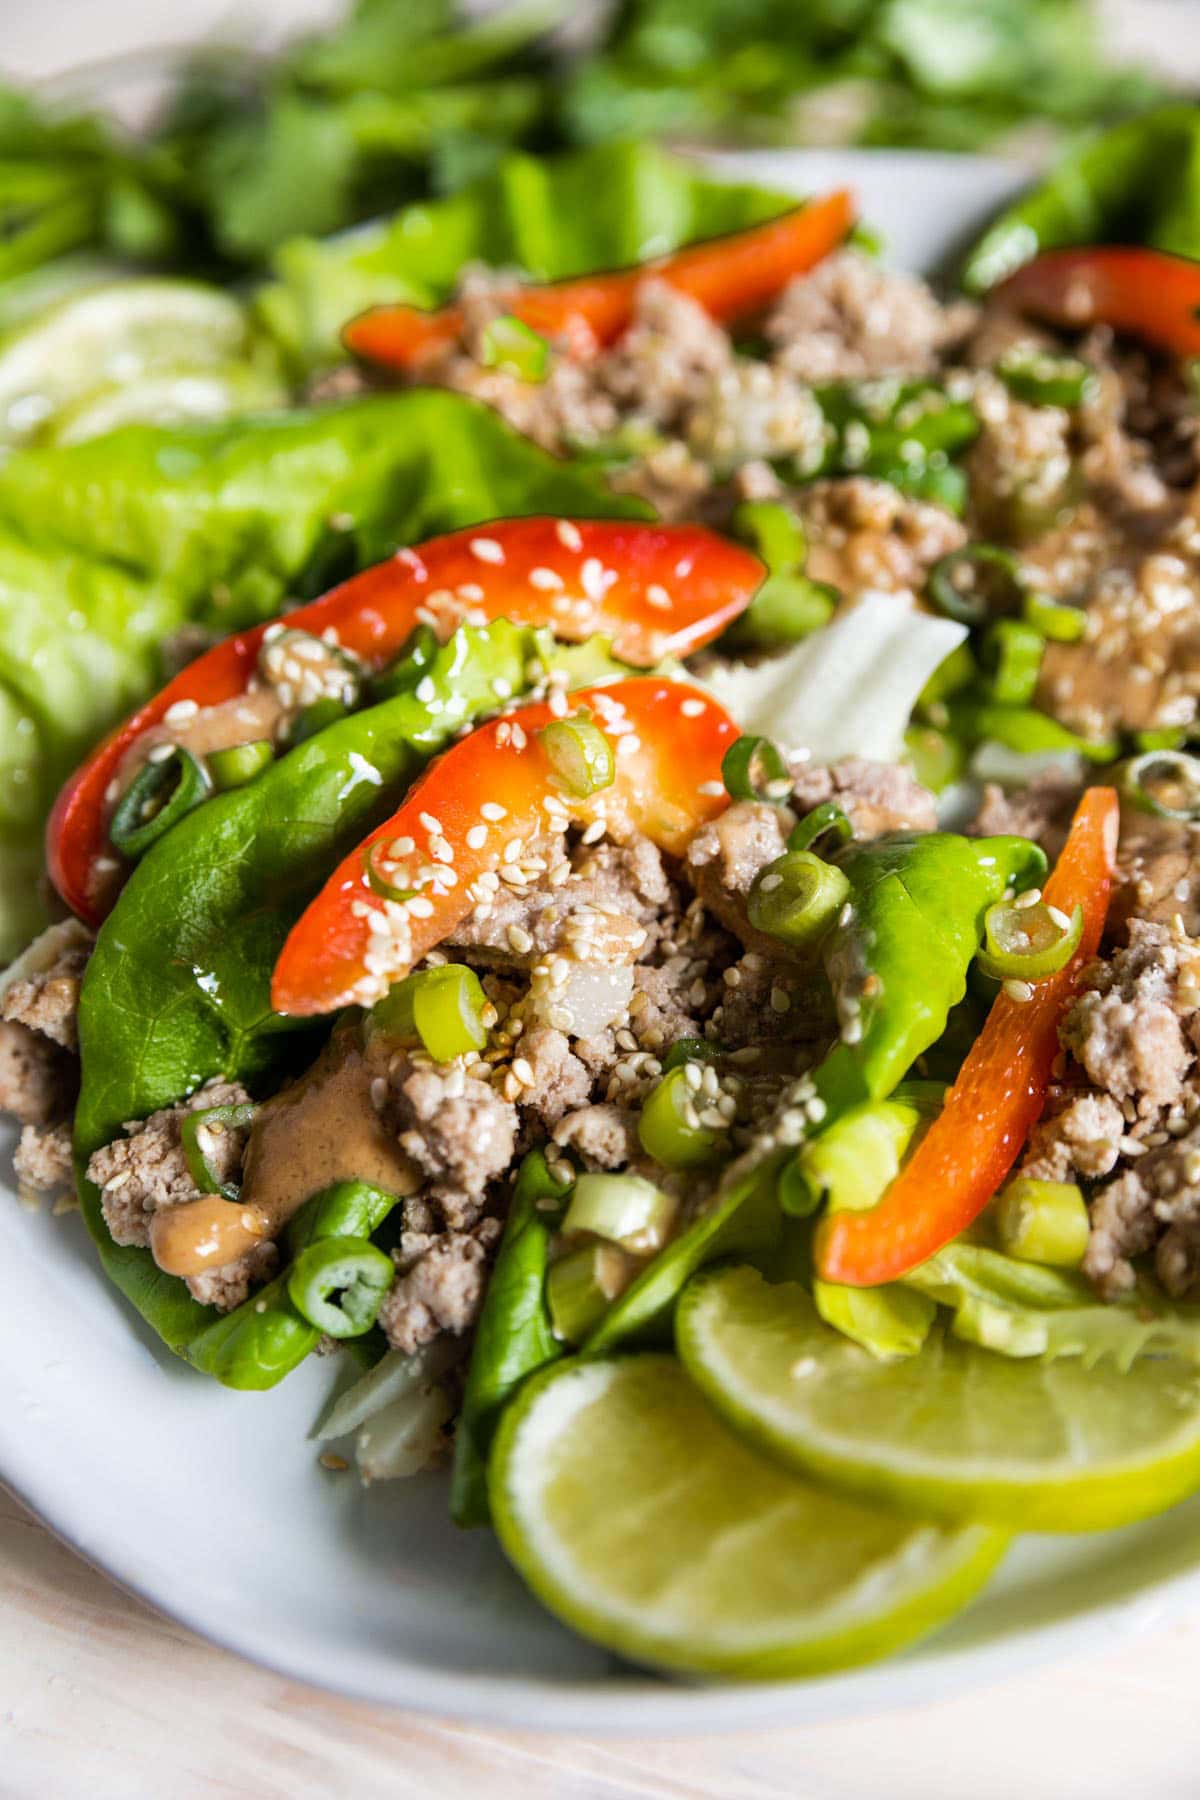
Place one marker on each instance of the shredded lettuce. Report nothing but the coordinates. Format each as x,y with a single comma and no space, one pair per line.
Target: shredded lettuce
849,689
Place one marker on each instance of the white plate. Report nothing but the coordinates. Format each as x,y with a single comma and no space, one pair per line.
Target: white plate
212,1506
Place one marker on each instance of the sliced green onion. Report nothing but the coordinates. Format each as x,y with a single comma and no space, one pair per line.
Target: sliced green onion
624,1209
1043,1221
826,825
442,1006
942,483
376,860
1061,624
774,532
786,609
937,758
669,1127
580,755
753,769
850,1166
408,669
797,898
582,1285
1165,783
210,1118
353,1209
1172,737
160,794
689,1049
1011,656
338,1285
975,584
317,717
515,349
1027,943
240,763
1043,379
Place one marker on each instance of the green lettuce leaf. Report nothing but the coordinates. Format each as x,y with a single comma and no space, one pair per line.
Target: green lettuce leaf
107,547
550,218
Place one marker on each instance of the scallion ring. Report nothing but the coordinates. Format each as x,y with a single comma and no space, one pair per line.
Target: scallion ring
580,755
1165,783
515,349
975,584
1061,624
1011,656
1028,942
774,532
825,828
443,1007
214,1119
753,769
797,898
669,1127
338,1284
376,861
160,794
240,763
1042,379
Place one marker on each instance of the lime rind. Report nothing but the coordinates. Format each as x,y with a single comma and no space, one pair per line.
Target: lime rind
956,1432
640,1521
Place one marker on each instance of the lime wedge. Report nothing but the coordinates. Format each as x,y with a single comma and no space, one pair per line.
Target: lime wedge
641,1521
113,334
955,1432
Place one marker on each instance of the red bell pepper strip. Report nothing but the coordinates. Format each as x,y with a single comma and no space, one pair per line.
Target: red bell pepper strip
459,822
1147,293
729,276
1000,1092
657,590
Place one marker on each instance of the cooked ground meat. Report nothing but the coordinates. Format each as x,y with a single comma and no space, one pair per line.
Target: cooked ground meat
457,1129
556,1080
1125,1028
1042,811
604,1136
1153,1204
439,1285
41,990
765,1000
852,318
42,1162
865,534
1158,872
1083,1138
37,1079
724,857
876,797
146,1170
1019,467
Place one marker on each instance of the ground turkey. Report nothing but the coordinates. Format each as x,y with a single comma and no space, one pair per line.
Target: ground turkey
850,318
456,1128
146,1170
865,534
39,1071
439,1286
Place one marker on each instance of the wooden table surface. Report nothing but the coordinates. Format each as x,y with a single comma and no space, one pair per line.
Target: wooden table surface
101,1698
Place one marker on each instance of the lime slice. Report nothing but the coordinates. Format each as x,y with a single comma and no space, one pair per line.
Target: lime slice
111,335
168,397
640,1520
955,1432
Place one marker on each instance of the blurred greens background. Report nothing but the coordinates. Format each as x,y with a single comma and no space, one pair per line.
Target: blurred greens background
402,99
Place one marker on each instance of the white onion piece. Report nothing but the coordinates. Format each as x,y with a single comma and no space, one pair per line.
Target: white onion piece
849,689
401,1440
394,1376
590,1000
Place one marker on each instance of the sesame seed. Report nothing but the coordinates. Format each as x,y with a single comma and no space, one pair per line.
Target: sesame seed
545,579
431,824
692,709
711,788
486,550
656,595
419,907
568,534
425,689
594,832
1020,991
180,712
379,1089
477,837
492,812
780,1000
161,753
520,939
1030,897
